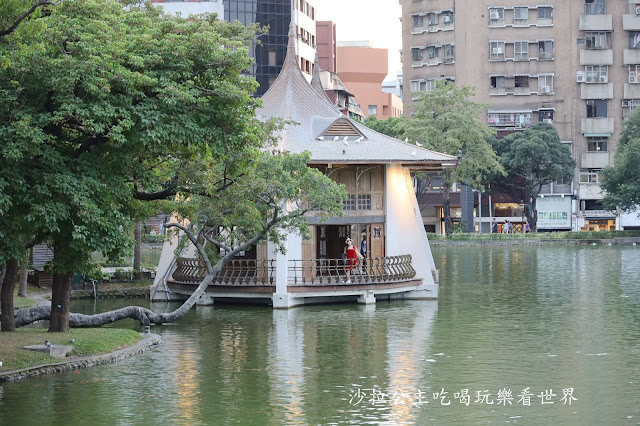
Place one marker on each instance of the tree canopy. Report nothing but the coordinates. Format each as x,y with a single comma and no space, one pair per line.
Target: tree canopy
448,121
392,126
105,109
532,158
621,183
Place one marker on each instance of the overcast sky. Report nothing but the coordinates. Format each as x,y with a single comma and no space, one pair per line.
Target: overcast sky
375,20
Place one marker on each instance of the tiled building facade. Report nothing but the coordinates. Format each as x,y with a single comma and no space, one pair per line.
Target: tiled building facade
572,63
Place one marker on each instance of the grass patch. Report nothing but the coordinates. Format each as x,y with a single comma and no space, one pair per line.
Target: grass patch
88,341
23,302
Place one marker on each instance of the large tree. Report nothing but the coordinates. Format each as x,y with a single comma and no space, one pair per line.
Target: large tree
621,183
272,199
447,120
532,158
103,107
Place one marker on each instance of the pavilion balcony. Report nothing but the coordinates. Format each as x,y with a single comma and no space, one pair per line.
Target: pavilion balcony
301,273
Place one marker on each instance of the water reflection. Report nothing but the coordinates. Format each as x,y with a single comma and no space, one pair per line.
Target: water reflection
543,318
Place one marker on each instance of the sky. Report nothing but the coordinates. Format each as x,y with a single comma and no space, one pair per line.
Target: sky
377,21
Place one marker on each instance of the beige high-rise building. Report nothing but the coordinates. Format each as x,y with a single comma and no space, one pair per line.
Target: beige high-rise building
572,63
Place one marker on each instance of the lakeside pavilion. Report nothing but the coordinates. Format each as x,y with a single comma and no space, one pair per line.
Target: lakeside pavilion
381,209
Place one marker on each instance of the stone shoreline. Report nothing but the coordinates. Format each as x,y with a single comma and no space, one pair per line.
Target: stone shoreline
148,341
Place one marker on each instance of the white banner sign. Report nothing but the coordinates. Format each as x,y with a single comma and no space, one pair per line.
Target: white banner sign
554,212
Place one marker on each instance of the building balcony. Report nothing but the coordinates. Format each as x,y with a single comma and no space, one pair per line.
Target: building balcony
594,160
599,126
631,91
631,22
596,91
590,191
596,23
596,57
630,56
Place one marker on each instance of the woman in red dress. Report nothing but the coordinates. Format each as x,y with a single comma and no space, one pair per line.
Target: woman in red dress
353,255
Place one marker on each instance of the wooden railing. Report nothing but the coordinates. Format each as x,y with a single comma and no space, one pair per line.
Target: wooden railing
314,272
236,272
334,271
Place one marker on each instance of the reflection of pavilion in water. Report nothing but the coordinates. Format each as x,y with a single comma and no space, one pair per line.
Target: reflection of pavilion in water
389,359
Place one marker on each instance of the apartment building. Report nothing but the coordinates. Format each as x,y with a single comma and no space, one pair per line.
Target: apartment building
269,54
571,63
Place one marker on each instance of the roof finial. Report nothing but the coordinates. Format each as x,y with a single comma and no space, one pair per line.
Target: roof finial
315,76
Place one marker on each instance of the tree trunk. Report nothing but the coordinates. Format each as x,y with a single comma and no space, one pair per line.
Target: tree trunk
3,269
136,251
446,204
532,215
7,320
24,273
60,299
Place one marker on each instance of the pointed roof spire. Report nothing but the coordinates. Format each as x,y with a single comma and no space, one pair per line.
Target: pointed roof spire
316,83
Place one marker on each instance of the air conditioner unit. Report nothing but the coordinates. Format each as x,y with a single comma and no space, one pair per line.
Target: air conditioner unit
633,76
637,10
497,50
494,15
545,89
430,23
604,79
580,77
625,104
547,120
446,19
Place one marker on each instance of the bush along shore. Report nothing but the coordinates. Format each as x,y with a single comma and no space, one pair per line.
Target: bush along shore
583,237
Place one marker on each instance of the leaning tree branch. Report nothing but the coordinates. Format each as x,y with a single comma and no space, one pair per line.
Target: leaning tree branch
29,12
143,315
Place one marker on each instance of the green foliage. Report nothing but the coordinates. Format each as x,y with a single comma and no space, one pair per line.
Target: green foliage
272,199
152,239
532,158
447,121
101,106
392,126
621,183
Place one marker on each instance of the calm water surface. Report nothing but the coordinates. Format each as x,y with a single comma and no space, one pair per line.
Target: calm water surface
544,319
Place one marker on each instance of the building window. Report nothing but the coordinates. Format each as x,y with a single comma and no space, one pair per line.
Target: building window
433,19
597,144
349,203
590,176
634,39
596,73
595,7
496,50
597,108
447,18
545,13
433,52
496,16
521,50
520,15
364,201
545,83
416,54
418,21
597,40
497,85
272,58
545,116
509,119
373,109
521,83
449,53
545,49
